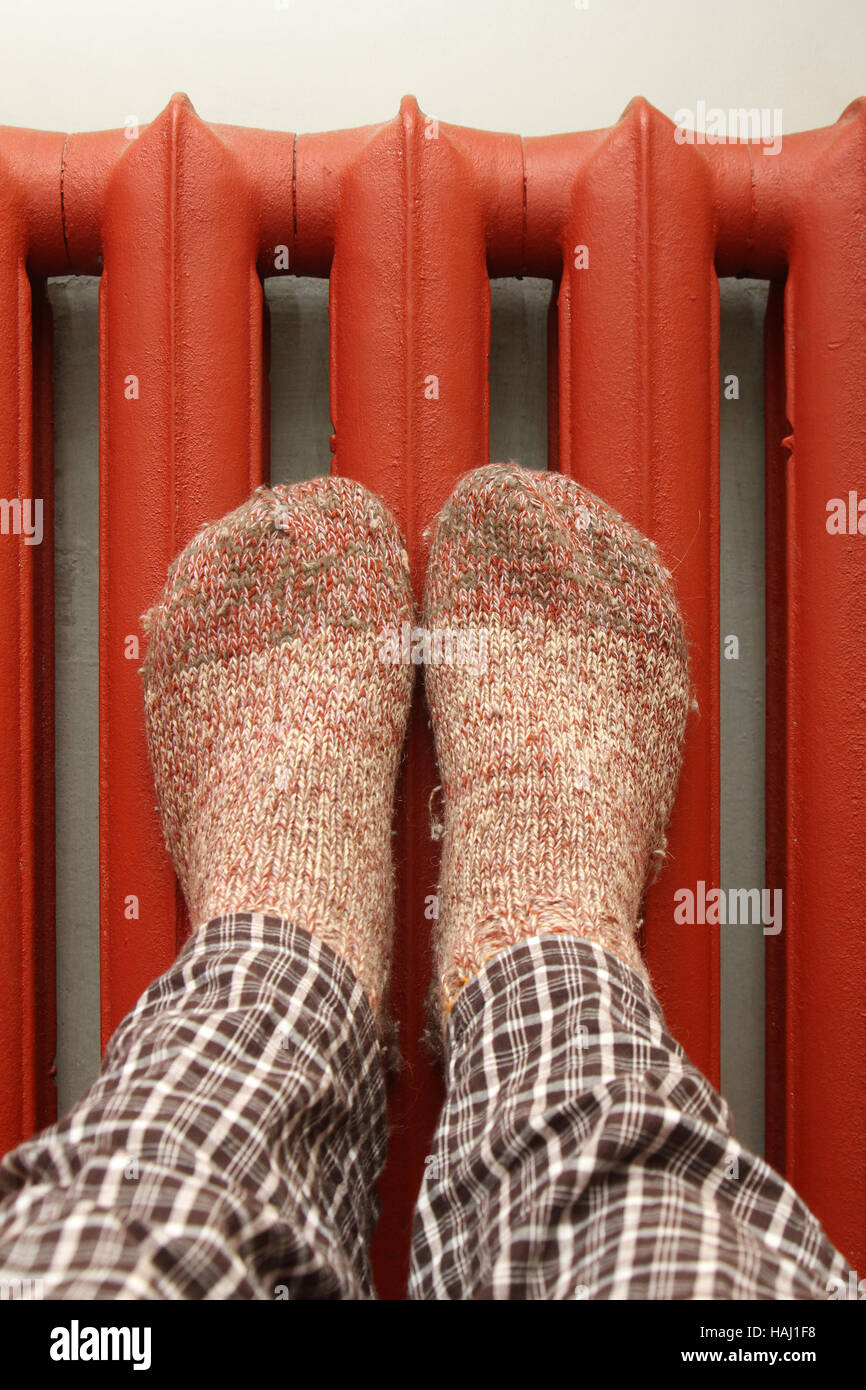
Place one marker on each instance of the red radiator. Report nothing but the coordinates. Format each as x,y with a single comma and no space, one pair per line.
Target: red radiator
410,220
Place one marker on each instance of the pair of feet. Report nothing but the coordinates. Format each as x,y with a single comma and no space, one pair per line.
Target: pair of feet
277,696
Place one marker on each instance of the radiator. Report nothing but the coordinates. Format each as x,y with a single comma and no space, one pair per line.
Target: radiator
409,220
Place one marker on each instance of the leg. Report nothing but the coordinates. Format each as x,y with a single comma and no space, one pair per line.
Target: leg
231,1143
579,1153
230,1146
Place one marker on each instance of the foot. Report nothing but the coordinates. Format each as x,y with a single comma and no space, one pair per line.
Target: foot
560,760
274,728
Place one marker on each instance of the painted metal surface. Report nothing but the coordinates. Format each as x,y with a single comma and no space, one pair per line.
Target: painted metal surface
802,222
410,219
181,441
30,241
825,708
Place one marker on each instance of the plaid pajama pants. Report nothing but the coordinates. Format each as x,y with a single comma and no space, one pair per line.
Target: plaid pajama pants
230,1146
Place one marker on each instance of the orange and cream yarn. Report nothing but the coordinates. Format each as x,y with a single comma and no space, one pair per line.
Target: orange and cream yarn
274,729
559,762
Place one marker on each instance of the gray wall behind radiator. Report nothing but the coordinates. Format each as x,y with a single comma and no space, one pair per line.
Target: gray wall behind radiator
744,304
300,428
76,634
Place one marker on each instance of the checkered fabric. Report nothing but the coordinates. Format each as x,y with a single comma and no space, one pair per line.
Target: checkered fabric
229,1146
581,1155
231,1143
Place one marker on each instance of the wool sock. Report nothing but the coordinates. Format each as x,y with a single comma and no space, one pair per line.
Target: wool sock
560,754
274,728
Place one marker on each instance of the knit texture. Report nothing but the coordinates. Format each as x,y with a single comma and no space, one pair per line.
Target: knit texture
274,728
559,760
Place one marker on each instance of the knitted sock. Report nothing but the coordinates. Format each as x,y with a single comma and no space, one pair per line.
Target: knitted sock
560,760
274,728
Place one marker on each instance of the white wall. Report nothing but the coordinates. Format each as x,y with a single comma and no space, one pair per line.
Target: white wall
532,66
